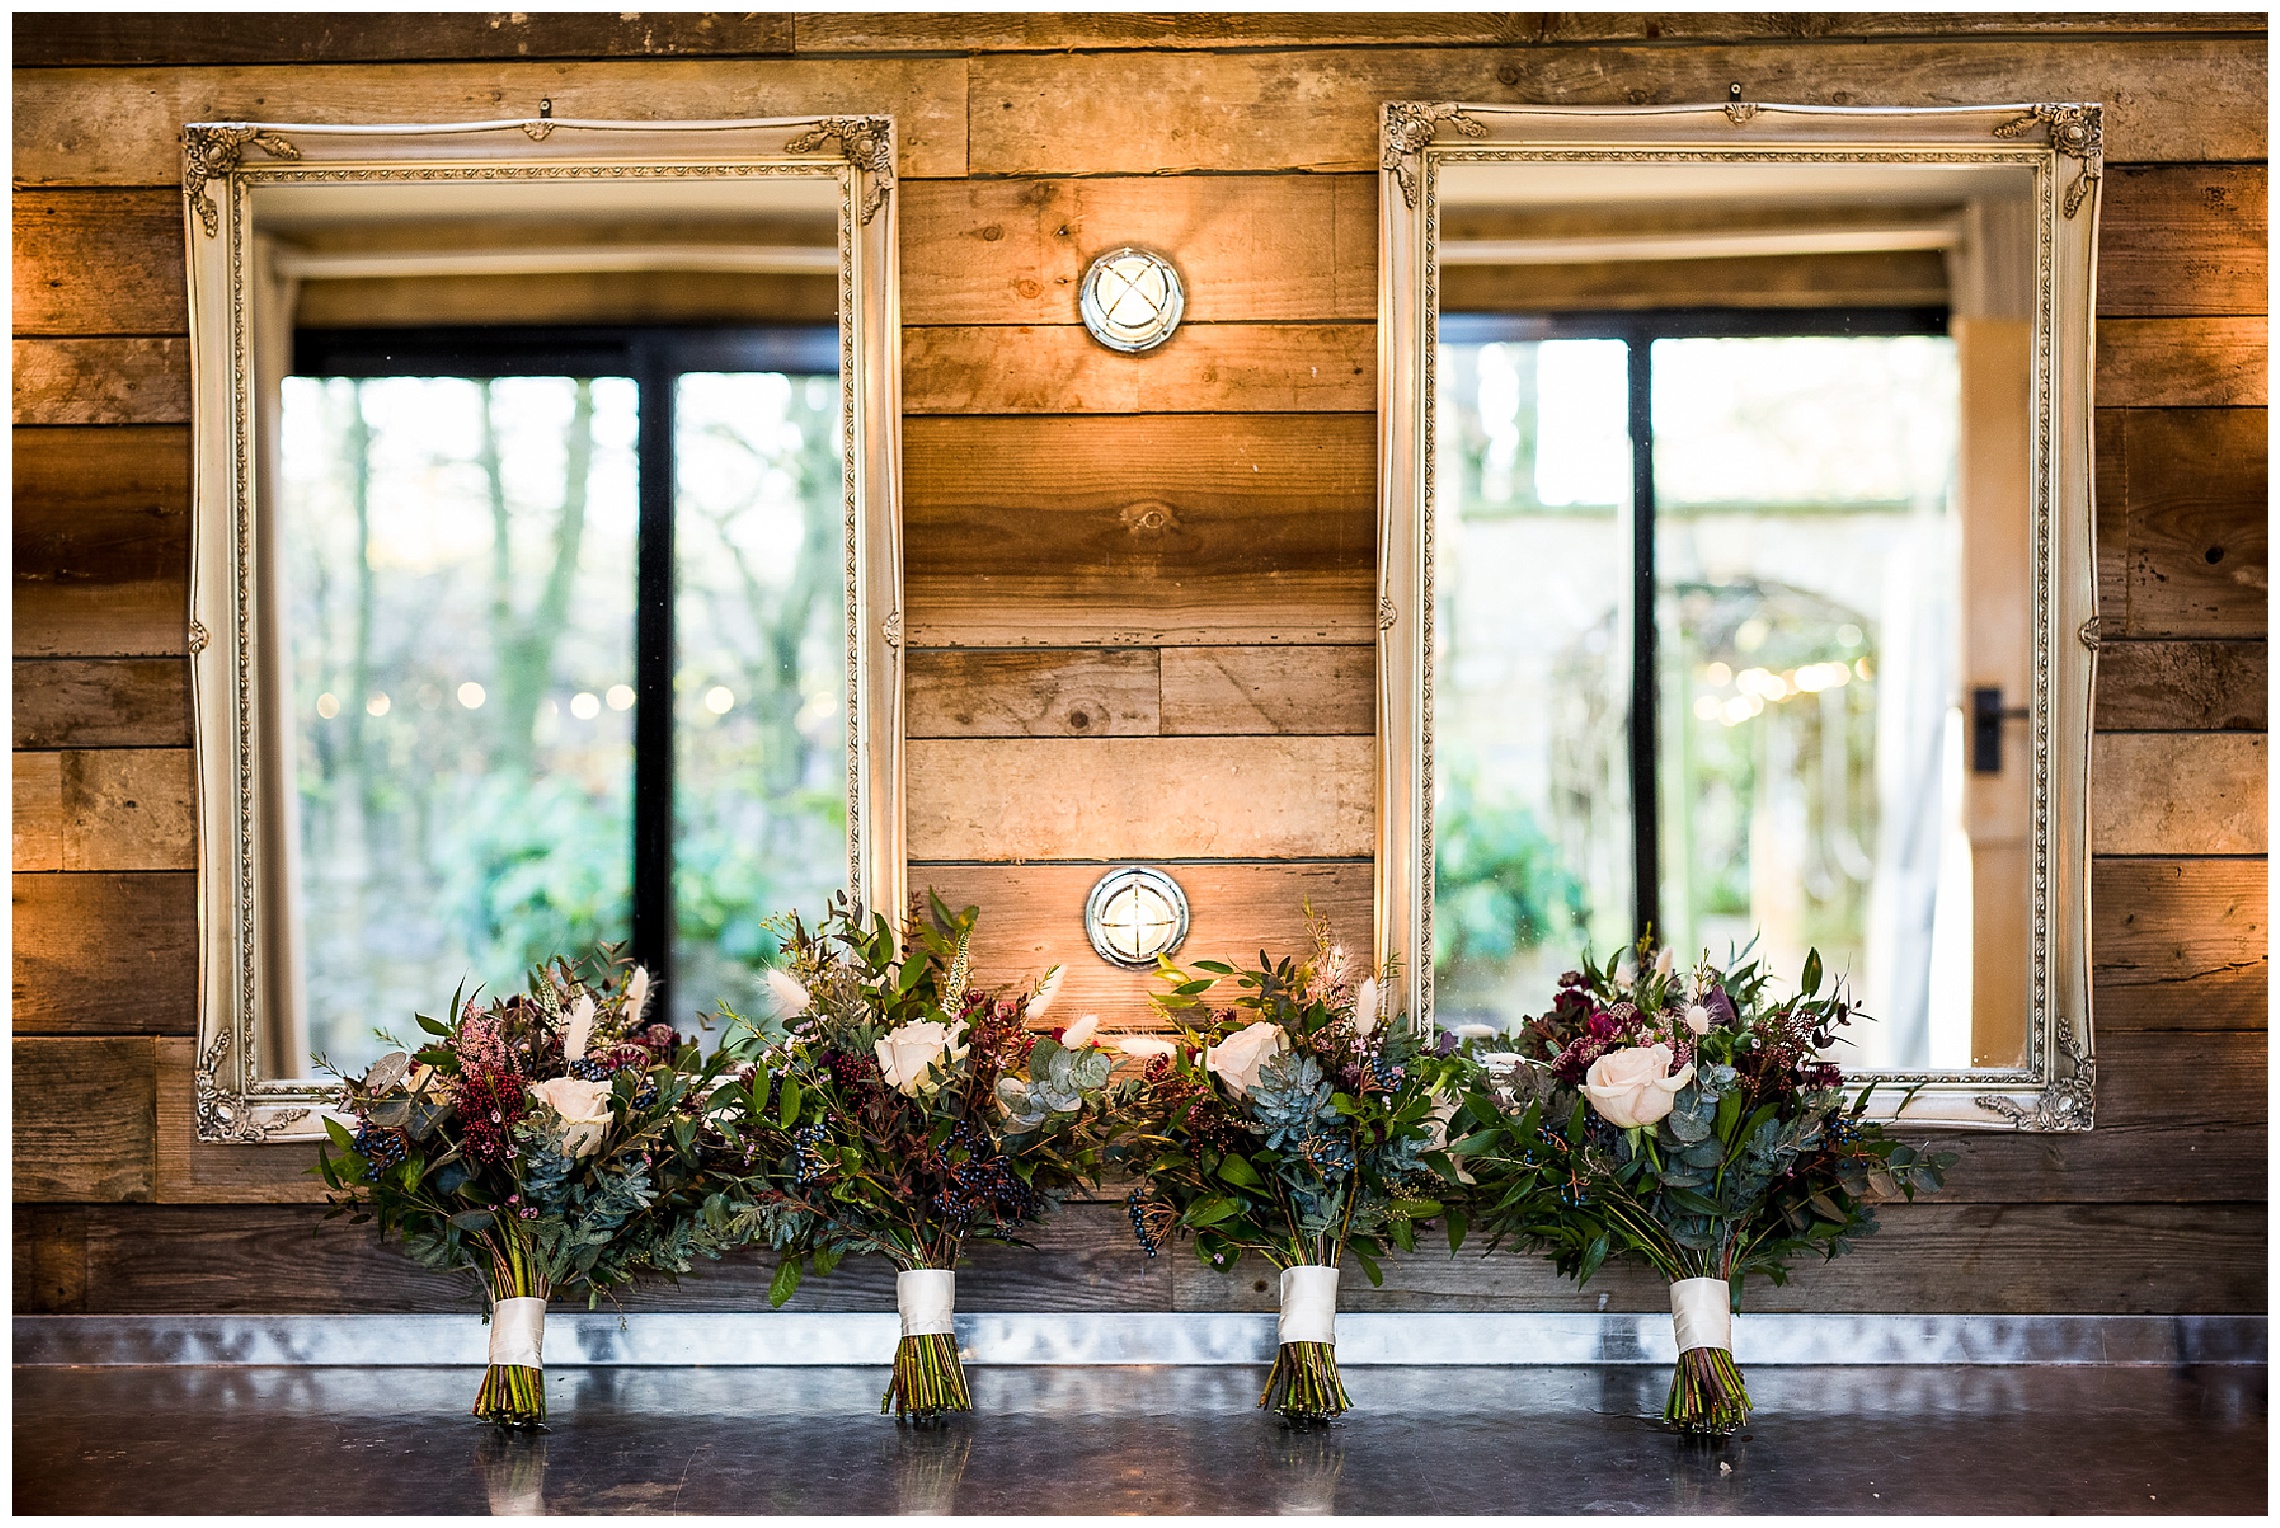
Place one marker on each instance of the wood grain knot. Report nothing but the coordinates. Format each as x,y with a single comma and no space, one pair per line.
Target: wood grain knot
1149,517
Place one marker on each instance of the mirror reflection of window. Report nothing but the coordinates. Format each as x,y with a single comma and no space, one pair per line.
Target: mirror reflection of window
1768,506
461,562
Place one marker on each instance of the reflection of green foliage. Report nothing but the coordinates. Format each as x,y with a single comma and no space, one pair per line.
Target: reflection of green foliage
1498,885
542,867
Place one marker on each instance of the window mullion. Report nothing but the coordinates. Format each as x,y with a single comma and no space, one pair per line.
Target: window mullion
1646,844
653,671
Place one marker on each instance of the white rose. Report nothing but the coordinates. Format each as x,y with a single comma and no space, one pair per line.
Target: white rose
1698,1019
1146,1045
1047,990
1635,1086
1079,1035
1366,1009
1238,1058
584,1108
790,997
906,1051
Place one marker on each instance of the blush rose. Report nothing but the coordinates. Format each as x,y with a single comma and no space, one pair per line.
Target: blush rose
1636,1086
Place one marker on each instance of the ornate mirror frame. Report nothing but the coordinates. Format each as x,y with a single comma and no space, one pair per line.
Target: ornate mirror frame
240,753
2062,145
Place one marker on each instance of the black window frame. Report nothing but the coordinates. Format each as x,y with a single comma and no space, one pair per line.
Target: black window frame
654,357
1639,329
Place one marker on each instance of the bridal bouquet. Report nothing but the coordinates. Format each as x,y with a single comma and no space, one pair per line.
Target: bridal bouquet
896,1110
1299,1123
1689,1120
550,1141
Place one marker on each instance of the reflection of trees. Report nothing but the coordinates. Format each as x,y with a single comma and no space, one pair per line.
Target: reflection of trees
522,646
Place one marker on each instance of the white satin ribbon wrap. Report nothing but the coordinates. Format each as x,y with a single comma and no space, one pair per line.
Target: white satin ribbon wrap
927,1298
1703,1312
518,1330
1309,1304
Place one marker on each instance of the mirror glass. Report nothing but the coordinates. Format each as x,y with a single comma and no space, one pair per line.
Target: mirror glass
485,415
1730,560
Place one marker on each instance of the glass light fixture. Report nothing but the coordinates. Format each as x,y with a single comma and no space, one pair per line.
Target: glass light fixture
1134,915
1131,299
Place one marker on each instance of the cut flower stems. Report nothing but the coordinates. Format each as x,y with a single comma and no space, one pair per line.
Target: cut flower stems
1691,1121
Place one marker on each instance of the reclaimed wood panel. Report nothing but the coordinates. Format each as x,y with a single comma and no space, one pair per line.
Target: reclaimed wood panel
101,540
2182,687
2179,239
2179,944
1249,248
102,381
283,37
2183,1077
2009,1259
1014,32
1033,919
2196,492
1235,690
36,815
1079,692
2160,793
48,1258
2182,362
187,1171
105,954
116,127
2160,1163
129,809
1015,799
1125,531
1894,279
99,262
1202,368
102,703
83,1111
1317,109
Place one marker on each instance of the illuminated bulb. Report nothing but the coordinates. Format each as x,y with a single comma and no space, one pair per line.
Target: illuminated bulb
328,705
1752,634
1706,707
620,697
376,706
1718,674
718,699
471,695
1736,711
585,705
1862,667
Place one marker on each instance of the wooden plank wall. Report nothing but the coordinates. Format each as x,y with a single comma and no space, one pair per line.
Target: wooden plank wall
1140,588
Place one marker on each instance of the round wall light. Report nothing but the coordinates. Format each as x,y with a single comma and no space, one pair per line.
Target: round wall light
1131,299
1134,915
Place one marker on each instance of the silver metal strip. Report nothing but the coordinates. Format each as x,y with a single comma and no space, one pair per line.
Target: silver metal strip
1472,1339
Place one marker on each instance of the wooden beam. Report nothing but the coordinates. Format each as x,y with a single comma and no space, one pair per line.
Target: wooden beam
2181,362
102,703
119,808
1201,369
1317,109
2194,488
1227,691
1049,692
1286,249
2183,239
1013,799
2167,793
2199,1077
56,39
105,954
1033,919
2182,687
102,541
99,262
83,1110
2179,944
102,381
36,816
117,127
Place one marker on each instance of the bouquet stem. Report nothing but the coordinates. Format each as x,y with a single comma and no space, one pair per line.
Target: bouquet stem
1304,1384
1707,1397
929,1380
513,1393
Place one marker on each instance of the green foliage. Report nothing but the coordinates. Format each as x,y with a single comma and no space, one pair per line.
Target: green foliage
1499,887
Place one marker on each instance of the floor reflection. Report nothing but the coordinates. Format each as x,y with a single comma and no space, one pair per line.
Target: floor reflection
1153,1440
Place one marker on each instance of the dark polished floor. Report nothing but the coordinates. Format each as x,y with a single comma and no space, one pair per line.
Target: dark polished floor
1156,1440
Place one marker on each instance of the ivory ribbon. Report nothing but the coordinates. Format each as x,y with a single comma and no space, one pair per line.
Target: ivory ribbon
927,1297
1309,1304
518,1328
1703,1312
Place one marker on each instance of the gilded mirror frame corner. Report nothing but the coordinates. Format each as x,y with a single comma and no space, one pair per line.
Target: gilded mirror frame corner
2055,1089
223,162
